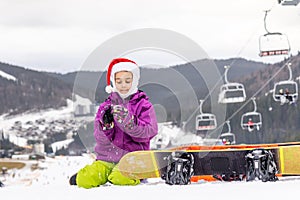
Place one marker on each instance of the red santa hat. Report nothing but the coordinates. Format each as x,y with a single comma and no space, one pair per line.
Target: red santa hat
122,64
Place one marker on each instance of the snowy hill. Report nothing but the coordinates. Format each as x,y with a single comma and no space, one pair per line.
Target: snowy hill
23,89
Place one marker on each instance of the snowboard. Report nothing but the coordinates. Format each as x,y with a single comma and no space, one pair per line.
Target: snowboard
210,160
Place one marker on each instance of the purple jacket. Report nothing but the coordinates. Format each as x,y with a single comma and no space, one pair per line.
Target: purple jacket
112,144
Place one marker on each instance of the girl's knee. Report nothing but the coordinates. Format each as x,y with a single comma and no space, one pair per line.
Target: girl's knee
117,178
93,175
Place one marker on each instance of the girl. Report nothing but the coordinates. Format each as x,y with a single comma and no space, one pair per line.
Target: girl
125,122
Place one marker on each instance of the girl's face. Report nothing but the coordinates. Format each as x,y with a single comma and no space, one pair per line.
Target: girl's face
123,81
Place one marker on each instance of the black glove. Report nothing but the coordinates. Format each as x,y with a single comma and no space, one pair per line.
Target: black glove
108,117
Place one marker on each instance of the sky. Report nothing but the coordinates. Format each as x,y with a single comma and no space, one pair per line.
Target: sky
59,35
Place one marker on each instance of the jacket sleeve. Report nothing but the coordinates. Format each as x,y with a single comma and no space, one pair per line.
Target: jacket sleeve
102,136
145,123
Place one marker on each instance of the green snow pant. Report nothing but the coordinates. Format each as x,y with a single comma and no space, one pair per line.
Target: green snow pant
99,172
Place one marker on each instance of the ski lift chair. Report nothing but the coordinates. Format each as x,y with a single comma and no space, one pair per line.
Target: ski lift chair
288,2
291,86
229,138
251,120
281,88
256,119
271,44
231,92
206,121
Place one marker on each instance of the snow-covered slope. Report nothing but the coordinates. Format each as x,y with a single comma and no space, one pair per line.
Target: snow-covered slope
48,179
20,127
7,76
64,112
51,183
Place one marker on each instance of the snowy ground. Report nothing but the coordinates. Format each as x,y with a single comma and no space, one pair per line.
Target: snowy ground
52,183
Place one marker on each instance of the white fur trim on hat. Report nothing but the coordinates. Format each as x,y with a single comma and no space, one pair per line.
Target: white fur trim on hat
109,89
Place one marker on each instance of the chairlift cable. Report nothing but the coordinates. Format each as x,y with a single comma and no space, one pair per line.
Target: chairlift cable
290,72
238,54
221,78
261,88
253,96
231,64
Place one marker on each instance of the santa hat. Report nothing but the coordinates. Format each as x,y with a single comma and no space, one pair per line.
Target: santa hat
122,64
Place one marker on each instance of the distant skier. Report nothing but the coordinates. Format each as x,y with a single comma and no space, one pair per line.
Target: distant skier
250,125
288,96
282,97
125,122
285,97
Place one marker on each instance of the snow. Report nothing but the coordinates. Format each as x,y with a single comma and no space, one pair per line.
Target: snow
169,135
82,101
61,144
28,119
50,114
7,76
51,182
66,112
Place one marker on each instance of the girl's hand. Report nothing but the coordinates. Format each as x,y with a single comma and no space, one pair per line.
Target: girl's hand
120,113
123,117
106,118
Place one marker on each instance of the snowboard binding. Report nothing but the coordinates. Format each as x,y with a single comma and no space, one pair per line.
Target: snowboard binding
260,165
179,169
1,184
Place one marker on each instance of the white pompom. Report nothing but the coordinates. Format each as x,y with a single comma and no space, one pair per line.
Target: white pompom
109,89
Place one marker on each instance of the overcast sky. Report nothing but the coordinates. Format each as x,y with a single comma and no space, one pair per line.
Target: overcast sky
59,35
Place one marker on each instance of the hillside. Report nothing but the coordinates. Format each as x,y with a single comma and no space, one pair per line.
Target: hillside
32,90
280,122
274,73
159,93
36,90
